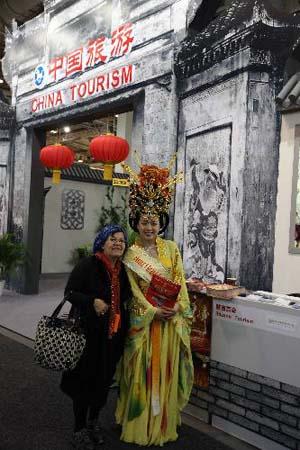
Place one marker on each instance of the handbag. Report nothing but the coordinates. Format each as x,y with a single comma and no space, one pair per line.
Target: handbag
59,341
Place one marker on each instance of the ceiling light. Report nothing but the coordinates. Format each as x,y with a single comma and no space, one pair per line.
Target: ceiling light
67,129
116,115
53,131
1,81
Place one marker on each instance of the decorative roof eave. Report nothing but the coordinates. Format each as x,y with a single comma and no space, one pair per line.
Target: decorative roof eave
84,174
233,25
289,96
259,36
239,16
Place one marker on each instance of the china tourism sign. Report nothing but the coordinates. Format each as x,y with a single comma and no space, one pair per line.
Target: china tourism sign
96,53
75,92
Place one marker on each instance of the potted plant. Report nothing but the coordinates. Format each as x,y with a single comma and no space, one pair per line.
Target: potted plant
12,254
80,252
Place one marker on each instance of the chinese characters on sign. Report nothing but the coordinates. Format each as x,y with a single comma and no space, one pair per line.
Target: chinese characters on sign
97,51
230,312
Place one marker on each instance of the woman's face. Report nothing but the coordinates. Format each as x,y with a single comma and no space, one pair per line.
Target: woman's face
114,245
148,228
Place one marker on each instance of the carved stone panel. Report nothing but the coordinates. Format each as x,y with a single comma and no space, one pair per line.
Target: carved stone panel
207,203
72,212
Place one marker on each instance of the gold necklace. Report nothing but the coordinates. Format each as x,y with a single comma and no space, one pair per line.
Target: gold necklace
151,250
148,247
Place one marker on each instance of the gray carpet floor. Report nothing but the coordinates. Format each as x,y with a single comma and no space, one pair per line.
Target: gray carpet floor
35,415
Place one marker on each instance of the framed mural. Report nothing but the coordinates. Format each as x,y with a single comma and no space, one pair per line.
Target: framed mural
207,166
294,241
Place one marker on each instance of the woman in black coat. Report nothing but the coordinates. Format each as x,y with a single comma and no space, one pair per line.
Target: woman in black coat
98,289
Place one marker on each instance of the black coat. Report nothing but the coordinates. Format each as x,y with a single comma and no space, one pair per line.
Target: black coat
93,374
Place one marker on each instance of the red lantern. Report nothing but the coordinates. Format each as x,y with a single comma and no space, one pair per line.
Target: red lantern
109,150
57,157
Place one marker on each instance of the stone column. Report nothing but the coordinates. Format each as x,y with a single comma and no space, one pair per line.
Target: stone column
160,128
6,124
260,185
160,121
27,205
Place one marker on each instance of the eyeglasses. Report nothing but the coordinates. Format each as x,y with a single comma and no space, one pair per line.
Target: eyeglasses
117,241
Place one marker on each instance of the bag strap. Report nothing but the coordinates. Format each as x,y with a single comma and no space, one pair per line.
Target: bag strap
59,307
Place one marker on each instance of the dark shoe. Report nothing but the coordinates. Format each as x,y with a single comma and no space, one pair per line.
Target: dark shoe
82,441
95,432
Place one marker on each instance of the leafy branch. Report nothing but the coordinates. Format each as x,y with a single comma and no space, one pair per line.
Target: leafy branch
112,212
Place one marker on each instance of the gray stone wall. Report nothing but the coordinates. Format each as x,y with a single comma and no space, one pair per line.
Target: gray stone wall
260,187
160,122
202,141
259,404
7,115
22,174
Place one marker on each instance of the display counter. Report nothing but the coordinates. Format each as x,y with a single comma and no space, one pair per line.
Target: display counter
259,333
254,376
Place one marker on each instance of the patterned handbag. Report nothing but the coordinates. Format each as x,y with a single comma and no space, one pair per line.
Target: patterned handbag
59,341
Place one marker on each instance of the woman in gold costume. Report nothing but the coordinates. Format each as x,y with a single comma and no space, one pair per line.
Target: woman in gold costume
156,372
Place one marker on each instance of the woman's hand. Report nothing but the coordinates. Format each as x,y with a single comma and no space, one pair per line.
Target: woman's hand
176,307
166,313
100,307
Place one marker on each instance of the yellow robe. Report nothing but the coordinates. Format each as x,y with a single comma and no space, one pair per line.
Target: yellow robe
145,419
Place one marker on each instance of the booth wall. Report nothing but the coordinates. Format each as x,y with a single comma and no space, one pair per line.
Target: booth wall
58,243
286,265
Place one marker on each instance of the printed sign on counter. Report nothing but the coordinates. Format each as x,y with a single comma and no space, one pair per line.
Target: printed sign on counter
251,316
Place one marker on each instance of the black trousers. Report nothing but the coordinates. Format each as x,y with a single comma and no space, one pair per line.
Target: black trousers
87,410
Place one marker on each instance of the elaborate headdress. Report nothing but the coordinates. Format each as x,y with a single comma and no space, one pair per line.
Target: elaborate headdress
151,190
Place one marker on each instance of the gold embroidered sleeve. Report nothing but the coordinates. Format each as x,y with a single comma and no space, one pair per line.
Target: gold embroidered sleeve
179,277
139,307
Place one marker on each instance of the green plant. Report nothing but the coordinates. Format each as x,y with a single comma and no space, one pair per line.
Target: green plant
112,212
131,237
12,254
80,252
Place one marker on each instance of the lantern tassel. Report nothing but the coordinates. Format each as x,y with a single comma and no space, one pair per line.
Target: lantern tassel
56,176
108,171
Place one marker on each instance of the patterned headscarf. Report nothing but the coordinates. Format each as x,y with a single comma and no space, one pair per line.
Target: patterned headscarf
103,234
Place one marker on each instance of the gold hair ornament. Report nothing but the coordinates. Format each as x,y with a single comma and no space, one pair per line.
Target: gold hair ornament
151,190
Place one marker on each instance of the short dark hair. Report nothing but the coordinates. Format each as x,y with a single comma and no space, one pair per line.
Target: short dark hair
163,222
